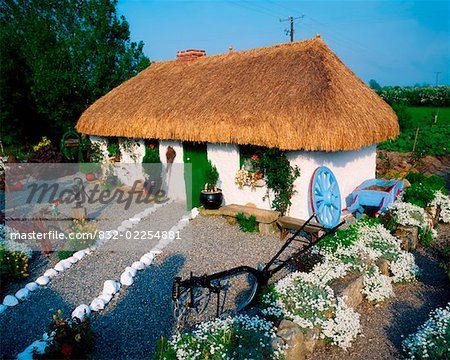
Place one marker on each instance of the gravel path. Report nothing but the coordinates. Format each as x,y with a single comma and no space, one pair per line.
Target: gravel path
144,313
385,326
81,283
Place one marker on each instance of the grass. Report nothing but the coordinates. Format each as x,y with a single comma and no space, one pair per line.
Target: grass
424,116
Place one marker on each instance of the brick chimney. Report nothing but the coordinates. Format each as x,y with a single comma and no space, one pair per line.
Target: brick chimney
190,55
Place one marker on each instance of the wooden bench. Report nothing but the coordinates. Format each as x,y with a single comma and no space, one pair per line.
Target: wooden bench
286,223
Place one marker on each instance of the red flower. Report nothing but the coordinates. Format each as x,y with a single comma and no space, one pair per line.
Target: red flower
27,146
152,146
255,157
66,351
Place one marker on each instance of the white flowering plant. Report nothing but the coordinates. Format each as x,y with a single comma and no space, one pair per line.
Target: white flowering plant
432,339
442,202
377,287
239,337
306,300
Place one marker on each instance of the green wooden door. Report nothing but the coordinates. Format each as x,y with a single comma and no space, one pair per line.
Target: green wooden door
194,175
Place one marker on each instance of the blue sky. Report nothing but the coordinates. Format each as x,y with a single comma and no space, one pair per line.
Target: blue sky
395,42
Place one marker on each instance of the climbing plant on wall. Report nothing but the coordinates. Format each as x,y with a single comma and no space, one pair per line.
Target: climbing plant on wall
280,177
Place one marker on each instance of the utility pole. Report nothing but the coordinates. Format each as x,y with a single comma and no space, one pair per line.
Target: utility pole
437,77
291,20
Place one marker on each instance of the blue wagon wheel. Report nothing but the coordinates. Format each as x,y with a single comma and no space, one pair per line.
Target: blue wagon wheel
325,197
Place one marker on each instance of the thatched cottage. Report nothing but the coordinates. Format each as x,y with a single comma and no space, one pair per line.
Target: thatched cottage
296,96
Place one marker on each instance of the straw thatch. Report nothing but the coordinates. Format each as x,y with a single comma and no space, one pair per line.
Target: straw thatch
291,96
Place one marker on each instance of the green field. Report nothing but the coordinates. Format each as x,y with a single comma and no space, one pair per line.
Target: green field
424,116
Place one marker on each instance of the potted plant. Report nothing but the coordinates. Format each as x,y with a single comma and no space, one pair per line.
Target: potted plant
211,197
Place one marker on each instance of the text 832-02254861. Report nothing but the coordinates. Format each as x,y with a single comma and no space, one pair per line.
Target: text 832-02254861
139,235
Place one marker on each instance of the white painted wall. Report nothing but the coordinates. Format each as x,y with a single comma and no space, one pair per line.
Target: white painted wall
130,169
226,158
351,168
174,179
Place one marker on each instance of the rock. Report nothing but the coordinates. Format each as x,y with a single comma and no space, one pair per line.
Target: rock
408,235
277,343
134,220
194,212
147,260
22,294
289,332
79,254
32,286
81,311
105,297
131,271
127,224
51,273
312,340
42,280
62,265
39,346
267,229
111,287
72,259
10,300
231,220
183,223
2,308
138,265
349,288
121,228
383,265
126,279
97,304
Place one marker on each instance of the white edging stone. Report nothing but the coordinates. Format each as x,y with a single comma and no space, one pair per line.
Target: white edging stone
138,265
81,311
22,294
32,286
110,287
10,300
42,280
126,279
50,273
97,304
2,308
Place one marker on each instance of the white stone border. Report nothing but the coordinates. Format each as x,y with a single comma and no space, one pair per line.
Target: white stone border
43,280
111,287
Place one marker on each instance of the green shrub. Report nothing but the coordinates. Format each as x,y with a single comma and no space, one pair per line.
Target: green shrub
435,182
211,175
247,224
241,337
419,194
151,158
64,254
422,189
13,266
73,339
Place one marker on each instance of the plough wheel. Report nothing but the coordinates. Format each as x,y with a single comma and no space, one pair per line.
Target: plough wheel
325,197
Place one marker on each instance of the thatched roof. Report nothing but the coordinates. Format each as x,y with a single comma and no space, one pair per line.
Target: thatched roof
291,96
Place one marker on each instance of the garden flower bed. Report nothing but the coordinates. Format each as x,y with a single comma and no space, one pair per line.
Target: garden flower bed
366,259
432,339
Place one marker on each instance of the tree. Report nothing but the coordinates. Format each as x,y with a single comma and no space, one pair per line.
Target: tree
57,58
374,85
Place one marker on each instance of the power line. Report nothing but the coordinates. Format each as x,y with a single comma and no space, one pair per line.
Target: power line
243,5
291,20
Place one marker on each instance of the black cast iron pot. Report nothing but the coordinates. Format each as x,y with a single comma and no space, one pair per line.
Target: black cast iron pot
211,199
